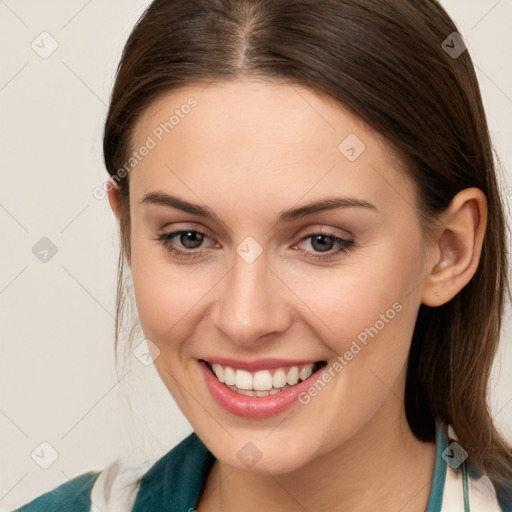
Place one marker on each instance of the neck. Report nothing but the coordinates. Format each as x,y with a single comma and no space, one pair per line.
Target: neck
383,467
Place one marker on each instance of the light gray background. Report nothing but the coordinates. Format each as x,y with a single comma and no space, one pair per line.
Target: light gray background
58,383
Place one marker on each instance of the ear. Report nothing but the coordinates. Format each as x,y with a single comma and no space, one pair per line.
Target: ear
459,246
113,199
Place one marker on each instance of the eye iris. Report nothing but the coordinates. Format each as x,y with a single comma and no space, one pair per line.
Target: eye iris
191,236
322,248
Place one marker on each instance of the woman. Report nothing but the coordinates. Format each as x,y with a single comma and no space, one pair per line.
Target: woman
310,213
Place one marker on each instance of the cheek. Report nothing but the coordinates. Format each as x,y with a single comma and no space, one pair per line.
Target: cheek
367,298
167,296
166,303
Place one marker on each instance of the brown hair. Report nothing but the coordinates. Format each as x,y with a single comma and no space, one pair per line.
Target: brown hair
385,61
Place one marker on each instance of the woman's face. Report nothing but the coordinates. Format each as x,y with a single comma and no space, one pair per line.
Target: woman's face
264,284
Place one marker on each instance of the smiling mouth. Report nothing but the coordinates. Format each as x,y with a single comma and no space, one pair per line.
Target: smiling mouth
263,382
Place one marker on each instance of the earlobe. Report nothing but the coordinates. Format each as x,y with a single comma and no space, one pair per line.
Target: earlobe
460,247
113,199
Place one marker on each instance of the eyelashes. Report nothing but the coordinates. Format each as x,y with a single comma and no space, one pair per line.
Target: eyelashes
166,240
340,245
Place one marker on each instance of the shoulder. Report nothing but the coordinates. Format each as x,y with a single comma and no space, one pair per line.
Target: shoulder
177,477
73,495
473,485
189,454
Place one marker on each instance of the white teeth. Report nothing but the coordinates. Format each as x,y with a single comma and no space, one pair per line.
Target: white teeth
229,376
262,382
279,378
219,371
252,392
243,380
247,392
305,372
293,376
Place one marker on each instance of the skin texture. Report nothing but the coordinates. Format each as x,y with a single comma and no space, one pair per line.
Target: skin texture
249,150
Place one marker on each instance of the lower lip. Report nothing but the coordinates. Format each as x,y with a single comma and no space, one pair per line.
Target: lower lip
253,406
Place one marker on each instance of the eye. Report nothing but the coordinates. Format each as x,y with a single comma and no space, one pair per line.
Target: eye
326,245
190,239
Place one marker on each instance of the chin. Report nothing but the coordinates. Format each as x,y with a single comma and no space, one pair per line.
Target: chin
262,456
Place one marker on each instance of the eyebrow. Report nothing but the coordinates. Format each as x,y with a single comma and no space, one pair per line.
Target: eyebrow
163,199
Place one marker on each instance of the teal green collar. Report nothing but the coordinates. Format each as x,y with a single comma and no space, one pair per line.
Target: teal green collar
175,481
435,499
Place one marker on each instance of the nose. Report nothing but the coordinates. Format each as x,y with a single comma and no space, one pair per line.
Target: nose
252,303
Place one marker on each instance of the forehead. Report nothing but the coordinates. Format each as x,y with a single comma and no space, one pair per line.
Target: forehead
266,136
255,110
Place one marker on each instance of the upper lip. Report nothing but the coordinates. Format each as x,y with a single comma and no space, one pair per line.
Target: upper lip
258,364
